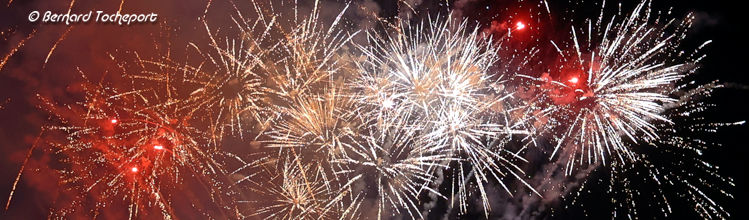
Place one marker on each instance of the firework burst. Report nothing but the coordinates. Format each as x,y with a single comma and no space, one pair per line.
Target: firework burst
233,94
673,163
322,126
390,169
309,51
298,192
135,146
615,84
418,69
433,79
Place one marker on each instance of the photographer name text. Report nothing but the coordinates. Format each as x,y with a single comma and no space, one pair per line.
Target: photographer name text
92,16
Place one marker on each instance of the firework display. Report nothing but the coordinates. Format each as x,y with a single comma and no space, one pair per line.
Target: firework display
293,110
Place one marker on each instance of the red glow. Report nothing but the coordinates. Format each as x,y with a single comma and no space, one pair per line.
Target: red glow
519,25
134,169
158,147
114,121
573,80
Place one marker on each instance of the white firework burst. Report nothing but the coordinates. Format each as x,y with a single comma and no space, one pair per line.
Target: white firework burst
616,84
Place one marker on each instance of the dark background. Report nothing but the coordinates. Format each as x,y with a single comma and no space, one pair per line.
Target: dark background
86,47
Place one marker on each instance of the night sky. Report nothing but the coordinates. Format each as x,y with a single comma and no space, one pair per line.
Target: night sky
86,47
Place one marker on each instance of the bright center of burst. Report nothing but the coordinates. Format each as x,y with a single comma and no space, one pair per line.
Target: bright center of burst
114,121
573,80
519,25
158,147
134,169
387,103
